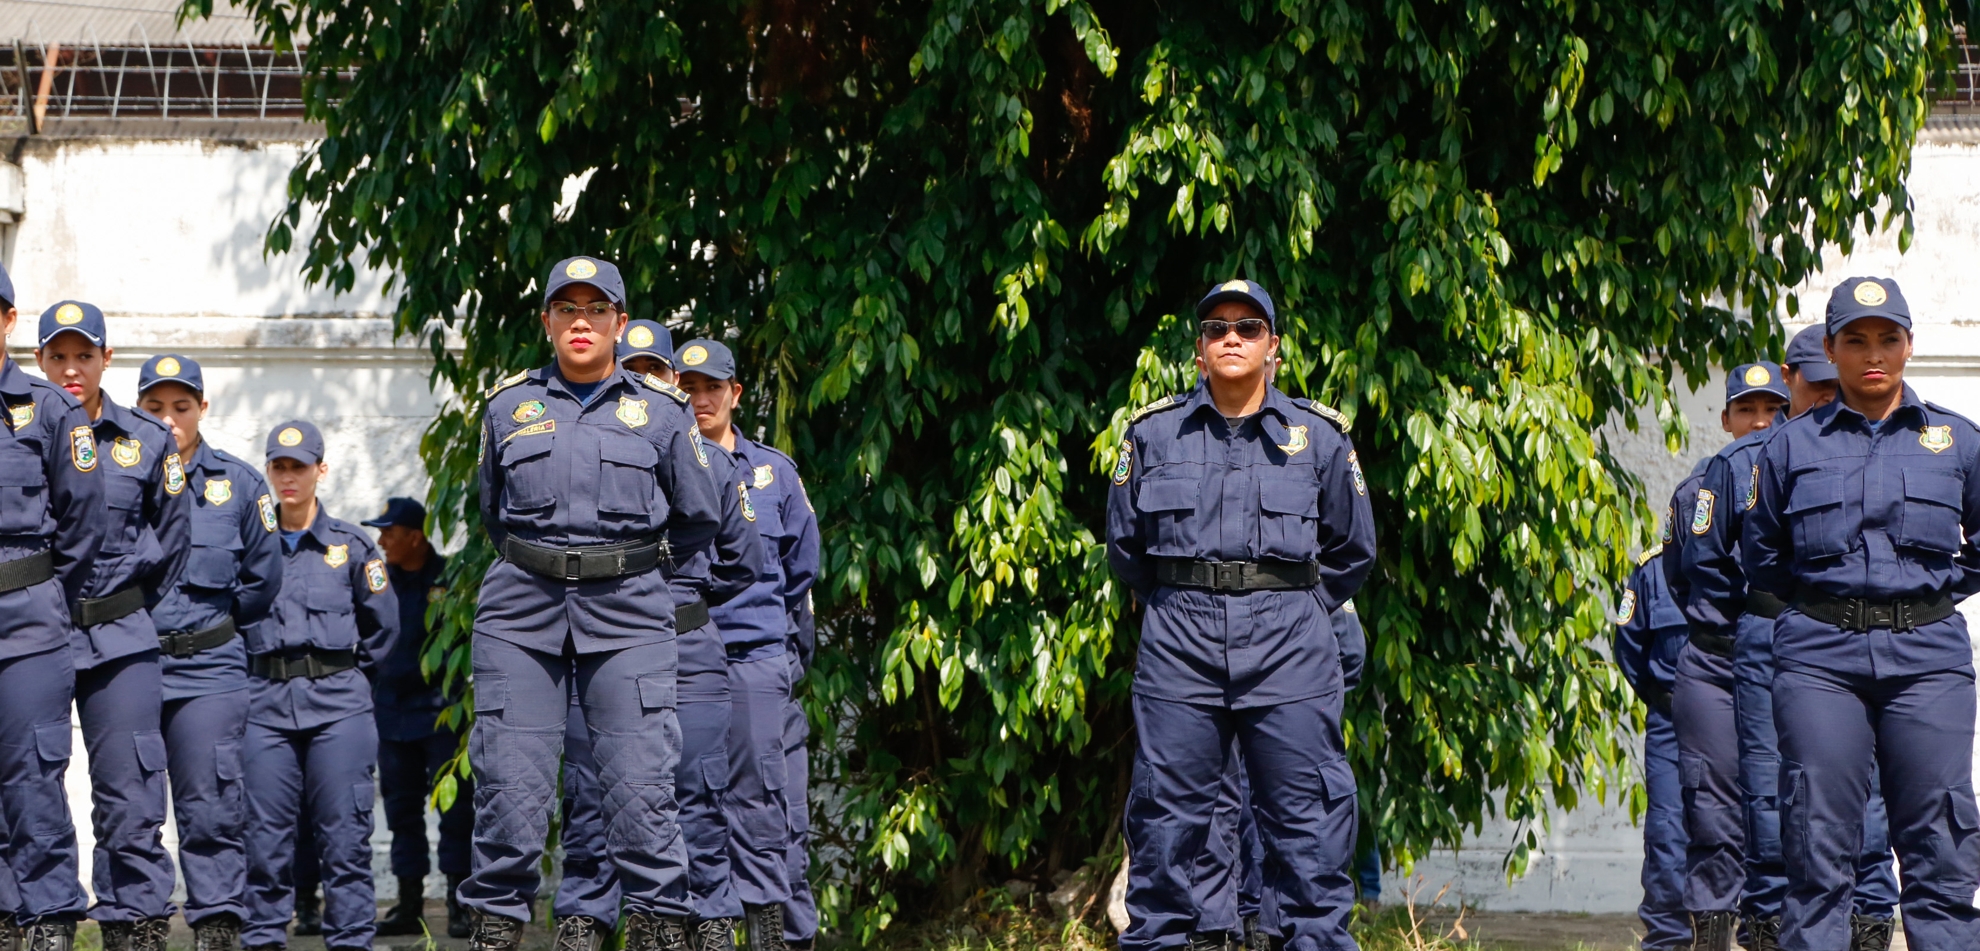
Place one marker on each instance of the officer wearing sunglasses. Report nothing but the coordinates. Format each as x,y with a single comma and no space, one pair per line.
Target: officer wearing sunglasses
1240,517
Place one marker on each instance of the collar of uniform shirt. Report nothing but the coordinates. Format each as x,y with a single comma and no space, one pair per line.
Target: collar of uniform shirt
553,377
1840,412
1271,415
14,380
119,416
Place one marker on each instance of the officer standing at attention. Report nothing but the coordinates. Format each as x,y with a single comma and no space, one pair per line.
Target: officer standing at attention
758,627
1723,610
1861,524
311,741
229,584
1239,516
412,747
1650,631
587,905
52,497
118,687
587,474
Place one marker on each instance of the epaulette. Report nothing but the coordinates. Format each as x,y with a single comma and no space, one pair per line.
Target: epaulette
1166,402
1646,557
1331,414
1940,409
506,383
654,382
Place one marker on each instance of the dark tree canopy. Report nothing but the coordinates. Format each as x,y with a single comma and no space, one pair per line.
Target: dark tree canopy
956,242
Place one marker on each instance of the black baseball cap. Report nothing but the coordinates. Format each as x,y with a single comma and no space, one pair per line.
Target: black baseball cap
400,511
1806,356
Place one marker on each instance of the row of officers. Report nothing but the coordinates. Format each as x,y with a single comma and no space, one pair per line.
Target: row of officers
223,636
1808,680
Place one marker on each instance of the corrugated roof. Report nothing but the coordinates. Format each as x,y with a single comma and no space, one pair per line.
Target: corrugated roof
81,22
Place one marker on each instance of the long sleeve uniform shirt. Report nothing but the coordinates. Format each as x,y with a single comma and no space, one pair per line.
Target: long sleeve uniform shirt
148,532
762,621
233,570
1650,631
727,564
336,596
1716,598
1677,526
51,499
405,704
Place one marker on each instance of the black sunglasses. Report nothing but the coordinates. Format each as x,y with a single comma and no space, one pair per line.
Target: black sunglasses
1250,328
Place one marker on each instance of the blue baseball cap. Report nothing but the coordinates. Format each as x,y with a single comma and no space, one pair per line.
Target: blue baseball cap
707,358
646,338
400,511
1248,292
603,275
171,368
73,316
1859,297
1805,355
6,289
296,439
1750,378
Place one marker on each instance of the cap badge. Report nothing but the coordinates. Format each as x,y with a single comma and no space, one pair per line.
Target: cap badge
640,337
1758,376
1360,481
1297,442
1234,286
631,412
82,448
1124,466
126,451
694,356
290,437
267,506
68,315
527,410
22,415
167,366
336,555
374,575
1628,609
1936,438
580,269
175,474
748,508
218,491
1701,518
764,476
1870,293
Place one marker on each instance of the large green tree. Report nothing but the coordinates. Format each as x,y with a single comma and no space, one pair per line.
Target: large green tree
956,242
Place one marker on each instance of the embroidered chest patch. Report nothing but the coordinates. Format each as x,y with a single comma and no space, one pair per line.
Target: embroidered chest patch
527,410
764,476
631,412
218,491
336,556
1296,441
1936,438
22,415
126,452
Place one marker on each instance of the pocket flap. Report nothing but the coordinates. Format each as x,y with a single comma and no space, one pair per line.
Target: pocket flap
150,750
1815,490
21,466
219,532
1964,811
774,768
52,740
227,761
329,597
364,796
525,447
1936,485
715,770
1289,497
629,451
1166,495
491,693
1790,786
1692,771
656,691
1765,777
1337,778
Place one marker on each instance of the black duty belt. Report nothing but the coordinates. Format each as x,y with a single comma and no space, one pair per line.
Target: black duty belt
1237,575
1858,615
121,603
588,563
1764,604
311,664
23,572
1718,645
186,643
689,616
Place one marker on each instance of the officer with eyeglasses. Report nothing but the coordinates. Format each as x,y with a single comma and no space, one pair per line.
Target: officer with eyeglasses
587,474
1240,517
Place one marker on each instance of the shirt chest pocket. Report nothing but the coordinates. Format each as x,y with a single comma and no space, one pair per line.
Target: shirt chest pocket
1815,510
328,601
23,488
1289,516
124,495
1933,499
214,561
626,482
528,471
770,525
1170,505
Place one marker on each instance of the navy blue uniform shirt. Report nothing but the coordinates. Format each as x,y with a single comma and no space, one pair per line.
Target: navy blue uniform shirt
1677,527
148,532
405,704
726,565
1879,511
1710,560
761,621
336,596
626,466
51,499
233,569
1650,631
1284,486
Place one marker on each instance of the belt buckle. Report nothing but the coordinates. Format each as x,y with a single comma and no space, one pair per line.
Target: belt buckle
1900,616
573,566
1227,576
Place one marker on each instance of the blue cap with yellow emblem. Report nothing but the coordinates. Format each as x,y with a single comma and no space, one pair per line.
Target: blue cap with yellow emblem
706,357
646,338
73,316
1244,292
296,439
171,368
1806,357
600,274
1750,378
1859,297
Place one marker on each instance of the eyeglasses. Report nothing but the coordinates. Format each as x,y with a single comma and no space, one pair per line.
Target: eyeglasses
1250,328
567,310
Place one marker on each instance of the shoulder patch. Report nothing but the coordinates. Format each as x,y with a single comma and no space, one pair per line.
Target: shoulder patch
1326,412
175,474
506,382
267,506
1650,555
655,383
1166,402
374,575
1124,465
1627,610
82,448
1701,517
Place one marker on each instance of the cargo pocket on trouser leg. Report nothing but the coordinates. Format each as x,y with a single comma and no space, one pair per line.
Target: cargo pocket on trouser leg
512,787
1963,822
636,769
1794,818
767,820
47,801
1764,811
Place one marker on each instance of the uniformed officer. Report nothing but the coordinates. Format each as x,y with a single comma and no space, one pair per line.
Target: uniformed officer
587,905
118,692
758,628
232,575
587,473
1863,512
312,745
1721,609
1240,517
52,495
1650,631
412,746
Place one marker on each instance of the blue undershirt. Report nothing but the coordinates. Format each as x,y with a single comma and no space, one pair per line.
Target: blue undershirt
584,391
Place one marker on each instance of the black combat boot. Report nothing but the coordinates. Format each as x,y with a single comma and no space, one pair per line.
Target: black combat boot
1870,934
763,928
646,932
458,925
220,932
10,935
1713,930
116,935
1198,941
148,934
494,933
1763,934
409,915
713,934
309,914
49,934
579,933
1256,938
